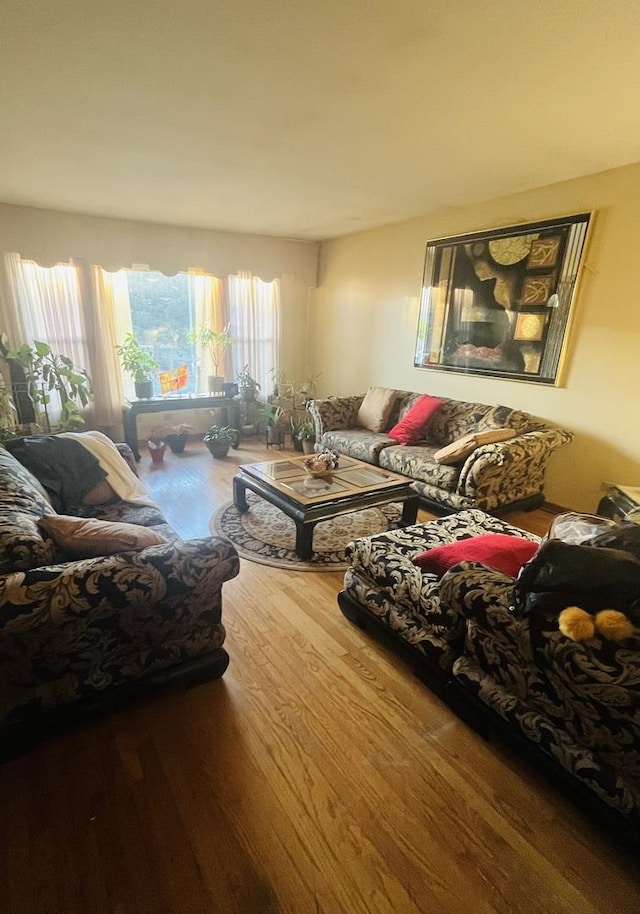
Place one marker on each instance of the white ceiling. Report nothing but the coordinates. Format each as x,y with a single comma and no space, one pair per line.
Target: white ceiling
309,119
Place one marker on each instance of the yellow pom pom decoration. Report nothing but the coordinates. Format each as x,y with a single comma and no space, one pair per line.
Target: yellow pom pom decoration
613,625
576,624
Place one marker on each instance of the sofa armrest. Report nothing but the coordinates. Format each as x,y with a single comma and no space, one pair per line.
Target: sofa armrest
334,413
513,470
54,595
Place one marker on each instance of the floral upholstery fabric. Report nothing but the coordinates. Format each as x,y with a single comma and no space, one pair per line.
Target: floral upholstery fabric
383,580
492,477
578,702
22,502
70,629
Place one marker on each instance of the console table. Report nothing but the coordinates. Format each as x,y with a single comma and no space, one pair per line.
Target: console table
134,408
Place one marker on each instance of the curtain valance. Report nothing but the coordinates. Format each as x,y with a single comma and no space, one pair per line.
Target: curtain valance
49,237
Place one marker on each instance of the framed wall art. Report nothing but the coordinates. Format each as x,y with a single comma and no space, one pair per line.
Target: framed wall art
499,302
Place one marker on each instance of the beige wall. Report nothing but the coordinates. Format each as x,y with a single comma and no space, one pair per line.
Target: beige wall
366,306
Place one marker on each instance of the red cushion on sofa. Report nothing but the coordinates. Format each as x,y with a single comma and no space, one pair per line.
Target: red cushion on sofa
498,550
410,428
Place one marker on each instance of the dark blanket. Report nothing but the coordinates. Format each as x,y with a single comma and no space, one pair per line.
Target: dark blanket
66,469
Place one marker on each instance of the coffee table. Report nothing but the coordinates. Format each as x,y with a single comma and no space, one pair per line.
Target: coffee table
307,500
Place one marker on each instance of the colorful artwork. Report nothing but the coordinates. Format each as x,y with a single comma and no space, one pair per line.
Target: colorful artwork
499,302
176,379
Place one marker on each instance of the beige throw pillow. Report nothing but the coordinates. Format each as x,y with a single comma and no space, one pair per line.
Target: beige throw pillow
459,450
375,410
86,537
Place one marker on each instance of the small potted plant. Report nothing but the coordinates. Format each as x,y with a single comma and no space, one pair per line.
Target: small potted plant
177,437
216,342
157,445
306,435
272,417
139,362
219,439
247,384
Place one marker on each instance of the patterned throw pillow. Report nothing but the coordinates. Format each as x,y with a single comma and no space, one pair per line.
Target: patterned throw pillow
375,410
411,427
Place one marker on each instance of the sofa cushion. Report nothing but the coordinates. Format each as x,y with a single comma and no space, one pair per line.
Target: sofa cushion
22,546
417,461
497,550
376,408
358,443
459,450
86,537
411,427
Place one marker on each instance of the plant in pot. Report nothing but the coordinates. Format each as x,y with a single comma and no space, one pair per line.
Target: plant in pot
216,342
247,384
41,372
305,432
157,445
219,439
177,437
273,417
139,362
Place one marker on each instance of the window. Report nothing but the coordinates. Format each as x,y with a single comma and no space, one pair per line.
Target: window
162,313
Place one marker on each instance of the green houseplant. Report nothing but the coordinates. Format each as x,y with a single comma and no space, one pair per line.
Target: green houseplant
216,342
139,362
247,384
45,372
219,439
273,417
305,432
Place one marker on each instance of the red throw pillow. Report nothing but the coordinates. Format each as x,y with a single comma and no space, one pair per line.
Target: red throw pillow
410,428
497,550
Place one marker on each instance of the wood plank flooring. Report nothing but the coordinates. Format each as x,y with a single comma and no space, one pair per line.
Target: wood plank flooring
317,777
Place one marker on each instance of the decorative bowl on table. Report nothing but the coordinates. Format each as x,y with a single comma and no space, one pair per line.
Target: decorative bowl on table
319,465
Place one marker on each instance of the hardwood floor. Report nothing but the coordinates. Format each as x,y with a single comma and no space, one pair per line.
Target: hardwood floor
317,777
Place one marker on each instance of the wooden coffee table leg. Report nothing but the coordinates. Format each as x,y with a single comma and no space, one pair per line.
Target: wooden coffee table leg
304,540
240,495
410,511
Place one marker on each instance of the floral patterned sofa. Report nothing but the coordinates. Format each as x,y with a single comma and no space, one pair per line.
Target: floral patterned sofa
495,476
574,707
87,631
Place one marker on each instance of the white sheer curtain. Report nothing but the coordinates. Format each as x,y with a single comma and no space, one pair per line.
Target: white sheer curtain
254,312
208,309
110,292
47,303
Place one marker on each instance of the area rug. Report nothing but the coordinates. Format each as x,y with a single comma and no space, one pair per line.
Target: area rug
267,536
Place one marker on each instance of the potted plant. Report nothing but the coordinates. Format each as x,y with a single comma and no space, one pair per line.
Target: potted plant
177,438
219,439
247,384
42,372
157,445
139,362
216,342
272,417
305,432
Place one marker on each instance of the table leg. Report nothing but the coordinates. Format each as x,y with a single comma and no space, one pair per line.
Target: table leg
304,541
410,511
240,495
129,422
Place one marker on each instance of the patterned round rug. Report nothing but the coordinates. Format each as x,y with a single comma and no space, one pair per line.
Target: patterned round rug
267,536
